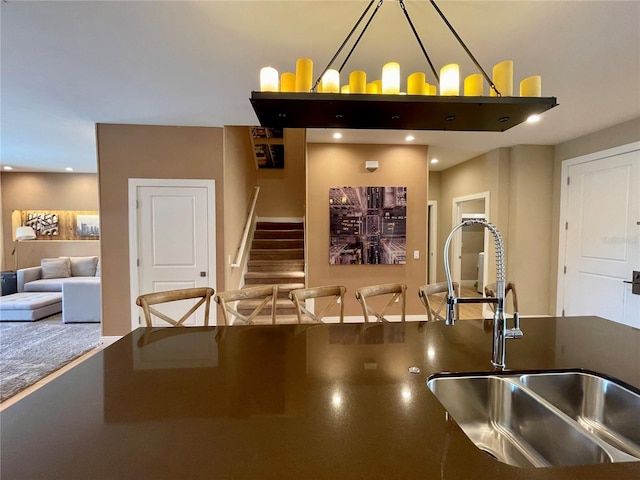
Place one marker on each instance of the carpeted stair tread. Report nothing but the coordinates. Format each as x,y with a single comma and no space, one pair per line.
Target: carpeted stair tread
275,265
277,243
277,254
278,234
279,226
266,275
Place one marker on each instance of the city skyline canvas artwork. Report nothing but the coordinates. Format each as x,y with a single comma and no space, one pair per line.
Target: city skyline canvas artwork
88,225
367,225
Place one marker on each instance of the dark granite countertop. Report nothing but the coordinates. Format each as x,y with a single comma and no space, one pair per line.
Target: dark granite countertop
299,402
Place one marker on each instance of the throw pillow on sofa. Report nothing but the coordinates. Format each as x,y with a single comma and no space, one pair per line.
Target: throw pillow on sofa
83,266
55,267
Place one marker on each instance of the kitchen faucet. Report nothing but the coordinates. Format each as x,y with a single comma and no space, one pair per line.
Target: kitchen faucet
500,331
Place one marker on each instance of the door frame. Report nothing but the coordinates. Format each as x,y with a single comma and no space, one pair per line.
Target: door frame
456,219
564,198
432,240
134,278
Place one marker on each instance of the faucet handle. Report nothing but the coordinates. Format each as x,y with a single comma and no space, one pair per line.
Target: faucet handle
451,311
515,332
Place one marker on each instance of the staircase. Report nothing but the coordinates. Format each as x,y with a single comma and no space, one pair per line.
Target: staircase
276,257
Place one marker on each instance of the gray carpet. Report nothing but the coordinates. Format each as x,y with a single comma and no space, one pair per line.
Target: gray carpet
29,351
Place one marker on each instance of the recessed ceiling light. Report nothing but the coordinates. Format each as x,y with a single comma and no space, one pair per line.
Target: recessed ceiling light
434,160
533,118
408,138
7,167
69,169
337,135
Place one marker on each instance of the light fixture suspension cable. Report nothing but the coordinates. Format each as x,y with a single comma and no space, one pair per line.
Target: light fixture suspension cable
360,36
462,44
415,32
315,85
406,14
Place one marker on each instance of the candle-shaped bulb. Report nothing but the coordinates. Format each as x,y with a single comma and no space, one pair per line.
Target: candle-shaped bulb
391,78
503,78
268,79
304,75
358,82
288,82
416,83
372,88
473,85
450,80
331,81
531,86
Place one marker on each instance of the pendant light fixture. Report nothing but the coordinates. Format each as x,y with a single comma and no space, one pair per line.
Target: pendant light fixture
379,104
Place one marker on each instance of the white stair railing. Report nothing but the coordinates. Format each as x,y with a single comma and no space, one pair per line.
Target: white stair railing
247,228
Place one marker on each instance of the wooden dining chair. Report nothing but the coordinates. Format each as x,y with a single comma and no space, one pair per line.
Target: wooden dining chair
244,305
509,288
391,291
334,293
434,298
148,301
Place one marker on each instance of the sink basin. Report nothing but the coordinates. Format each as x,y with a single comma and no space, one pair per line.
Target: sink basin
601,406
542,420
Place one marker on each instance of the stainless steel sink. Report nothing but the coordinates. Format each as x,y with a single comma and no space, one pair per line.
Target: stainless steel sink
601,406
541,420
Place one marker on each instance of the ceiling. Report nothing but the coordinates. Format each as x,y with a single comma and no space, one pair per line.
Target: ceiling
67,65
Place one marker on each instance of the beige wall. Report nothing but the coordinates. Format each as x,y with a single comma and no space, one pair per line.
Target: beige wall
520,183
141,151
486,173
330,165
46,191
282,190
529,236
434,185
622,134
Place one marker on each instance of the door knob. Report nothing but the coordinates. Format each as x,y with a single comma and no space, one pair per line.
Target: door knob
635,282
203,274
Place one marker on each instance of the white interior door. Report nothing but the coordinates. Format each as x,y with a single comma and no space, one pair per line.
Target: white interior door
175,244
603,238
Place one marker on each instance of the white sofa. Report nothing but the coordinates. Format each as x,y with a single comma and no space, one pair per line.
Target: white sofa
77,278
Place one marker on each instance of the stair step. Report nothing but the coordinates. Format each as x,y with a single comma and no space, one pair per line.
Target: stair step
277,254
275,265
277,243
284,234
267,275
284,288
284,306
280,226
262,278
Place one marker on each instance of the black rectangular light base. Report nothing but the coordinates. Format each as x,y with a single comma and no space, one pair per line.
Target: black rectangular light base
395,112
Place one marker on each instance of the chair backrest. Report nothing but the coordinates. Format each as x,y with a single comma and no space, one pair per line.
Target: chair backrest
333,292
434,298
509,287
148,300
398,291
235,304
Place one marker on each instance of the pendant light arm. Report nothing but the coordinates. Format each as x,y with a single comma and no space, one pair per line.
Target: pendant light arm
315,85
426,55
455,34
